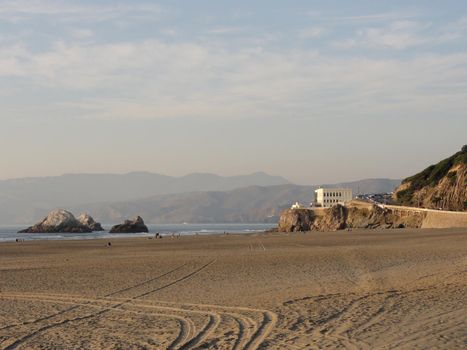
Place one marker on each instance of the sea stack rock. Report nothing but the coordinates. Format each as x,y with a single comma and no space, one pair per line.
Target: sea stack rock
87,220
57,221
130,226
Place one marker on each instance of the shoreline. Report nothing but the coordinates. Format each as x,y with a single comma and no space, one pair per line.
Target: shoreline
9,233
151,236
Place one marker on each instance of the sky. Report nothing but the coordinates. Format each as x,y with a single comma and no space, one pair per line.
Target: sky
315,91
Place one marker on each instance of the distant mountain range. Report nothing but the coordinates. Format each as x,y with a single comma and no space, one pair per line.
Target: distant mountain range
247,204
26,200
258,197
84,188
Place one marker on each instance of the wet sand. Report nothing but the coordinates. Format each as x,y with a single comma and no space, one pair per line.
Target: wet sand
394,289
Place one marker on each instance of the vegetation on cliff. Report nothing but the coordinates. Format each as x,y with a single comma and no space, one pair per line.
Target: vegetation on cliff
442,185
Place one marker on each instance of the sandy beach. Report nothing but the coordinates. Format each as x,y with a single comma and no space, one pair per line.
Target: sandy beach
393,289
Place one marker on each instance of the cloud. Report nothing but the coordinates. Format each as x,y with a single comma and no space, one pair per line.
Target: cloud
155,79
311,33
454,30
82,33
374,17
398,35
169,32
20,10
226,30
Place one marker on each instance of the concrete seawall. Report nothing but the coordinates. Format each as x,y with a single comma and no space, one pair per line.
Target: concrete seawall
433,218
444,220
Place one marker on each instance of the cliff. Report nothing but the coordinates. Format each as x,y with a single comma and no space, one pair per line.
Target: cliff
296,220
440,186
354,215
363,215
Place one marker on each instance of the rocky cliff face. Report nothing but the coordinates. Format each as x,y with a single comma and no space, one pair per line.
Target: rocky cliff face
440,186
340,217
296,220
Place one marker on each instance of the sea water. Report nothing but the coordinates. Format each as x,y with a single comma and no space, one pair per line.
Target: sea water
8,233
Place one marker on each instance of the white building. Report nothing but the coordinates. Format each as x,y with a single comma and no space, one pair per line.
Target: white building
326,197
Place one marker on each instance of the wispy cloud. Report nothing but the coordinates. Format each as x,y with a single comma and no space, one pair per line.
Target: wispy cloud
367,18
311,33
155,78
18,10
161,80
82,33
398,35
454,30
226,30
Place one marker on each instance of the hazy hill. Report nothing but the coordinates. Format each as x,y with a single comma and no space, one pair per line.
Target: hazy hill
84,188
27,199
442,185
367,186
193,198
249,204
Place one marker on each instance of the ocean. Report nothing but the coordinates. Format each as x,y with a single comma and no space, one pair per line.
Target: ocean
8,233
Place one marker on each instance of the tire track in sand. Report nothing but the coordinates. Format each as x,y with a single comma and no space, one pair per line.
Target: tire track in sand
186,339
45,328
245,340
245,323
268,322
187,328
45,318
266,327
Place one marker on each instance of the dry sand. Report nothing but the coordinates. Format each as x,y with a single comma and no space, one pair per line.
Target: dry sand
403,289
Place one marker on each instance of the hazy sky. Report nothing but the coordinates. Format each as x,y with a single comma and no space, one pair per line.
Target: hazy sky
316,91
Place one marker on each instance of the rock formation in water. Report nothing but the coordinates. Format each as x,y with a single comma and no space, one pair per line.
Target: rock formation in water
88,221
130,226
440,186
58,220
